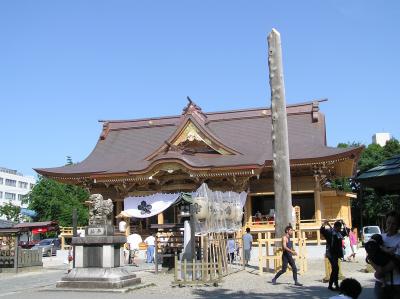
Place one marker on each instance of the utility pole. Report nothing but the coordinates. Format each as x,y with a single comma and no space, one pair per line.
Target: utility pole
280,143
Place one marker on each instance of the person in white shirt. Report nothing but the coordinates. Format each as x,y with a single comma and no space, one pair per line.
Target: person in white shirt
247,244
150,242
133,240
390,287
231,248
349,289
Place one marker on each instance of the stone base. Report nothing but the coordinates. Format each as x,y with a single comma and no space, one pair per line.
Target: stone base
98,278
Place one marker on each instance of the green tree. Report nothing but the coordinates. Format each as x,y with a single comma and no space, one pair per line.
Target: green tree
10,211
55,201
374,206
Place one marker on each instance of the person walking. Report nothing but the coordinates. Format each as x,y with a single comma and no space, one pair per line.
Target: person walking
353,244
150,242
231,248
287,256
334,250
133,241
247,244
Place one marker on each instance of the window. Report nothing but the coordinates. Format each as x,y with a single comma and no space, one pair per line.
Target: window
23,185
10,196
1,181
1,194
12,183
31,186
21,197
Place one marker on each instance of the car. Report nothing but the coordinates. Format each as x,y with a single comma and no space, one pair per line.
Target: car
368,231
49,247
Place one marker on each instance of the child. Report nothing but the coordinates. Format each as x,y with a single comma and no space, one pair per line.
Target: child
349,289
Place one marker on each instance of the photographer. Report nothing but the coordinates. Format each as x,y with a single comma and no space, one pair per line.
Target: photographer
334,249
390,286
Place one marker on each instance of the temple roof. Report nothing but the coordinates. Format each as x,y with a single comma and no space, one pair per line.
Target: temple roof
385,177
239,139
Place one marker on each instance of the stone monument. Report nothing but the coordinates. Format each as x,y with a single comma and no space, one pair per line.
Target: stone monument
99,255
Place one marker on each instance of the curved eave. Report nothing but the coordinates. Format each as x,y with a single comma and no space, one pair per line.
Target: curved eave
145,174
65,176
346,155
210,170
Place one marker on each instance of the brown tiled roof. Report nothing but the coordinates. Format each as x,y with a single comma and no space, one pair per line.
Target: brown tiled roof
35,224
124,145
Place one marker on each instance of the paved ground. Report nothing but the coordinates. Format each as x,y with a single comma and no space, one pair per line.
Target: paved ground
243,284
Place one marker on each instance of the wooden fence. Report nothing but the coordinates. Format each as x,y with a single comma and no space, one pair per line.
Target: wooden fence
212,265
26,258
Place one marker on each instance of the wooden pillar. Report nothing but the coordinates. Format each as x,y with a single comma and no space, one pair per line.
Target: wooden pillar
118,208
160,218
247,211
317,204
317,200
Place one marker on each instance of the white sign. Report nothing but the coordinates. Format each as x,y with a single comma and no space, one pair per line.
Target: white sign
96,231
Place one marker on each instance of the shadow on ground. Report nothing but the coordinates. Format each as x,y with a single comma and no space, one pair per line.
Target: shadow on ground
292,292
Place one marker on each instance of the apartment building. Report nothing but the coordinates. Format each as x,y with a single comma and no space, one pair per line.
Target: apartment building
14,186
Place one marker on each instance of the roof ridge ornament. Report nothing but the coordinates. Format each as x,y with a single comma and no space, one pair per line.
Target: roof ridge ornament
193,109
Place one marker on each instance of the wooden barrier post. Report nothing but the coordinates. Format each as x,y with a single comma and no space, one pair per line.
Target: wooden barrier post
156,255
260,256
205,257
184,270
176,267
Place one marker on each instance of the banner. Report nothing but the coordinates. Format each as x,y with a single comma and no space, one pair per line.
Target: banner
148,206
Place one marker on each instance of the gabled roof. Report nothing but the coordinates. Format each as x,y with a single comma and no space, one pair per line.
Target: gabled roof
239,139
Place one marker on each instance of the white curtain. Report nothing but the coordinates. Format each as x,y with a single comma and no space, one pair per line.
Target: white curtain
148,206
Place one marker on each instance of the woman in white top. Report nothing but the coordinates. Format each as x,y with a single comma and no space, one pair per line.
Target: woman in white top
390,288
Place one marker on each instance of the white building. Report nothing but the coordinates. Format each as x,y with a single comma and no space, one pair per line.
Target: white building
381,138
13,186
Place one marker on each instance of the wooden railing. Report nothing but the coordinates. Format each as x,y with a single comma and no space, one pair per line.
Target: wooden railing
310,228
68,230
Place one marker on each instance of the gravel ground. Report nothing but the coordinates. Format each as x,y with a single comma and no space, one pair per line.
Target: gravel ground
243,284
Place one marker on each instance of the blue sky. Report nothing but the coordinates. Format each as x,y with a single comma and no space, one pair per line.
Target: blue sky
64,65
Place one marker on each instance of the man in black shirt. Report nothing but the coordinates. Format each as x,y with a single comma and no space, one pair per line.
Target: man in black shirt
334,250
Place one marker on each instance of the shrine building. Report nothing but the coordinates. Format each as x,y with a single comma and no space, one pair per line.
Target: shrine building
228,150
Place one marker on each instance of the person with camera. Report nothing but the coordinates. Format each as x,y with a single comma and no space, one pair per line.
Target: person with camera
389,284
334,250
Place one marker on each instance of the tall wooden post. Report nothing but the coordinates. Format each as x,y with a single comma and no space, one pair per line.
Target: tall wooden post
74,231
317,200
317,205
280,143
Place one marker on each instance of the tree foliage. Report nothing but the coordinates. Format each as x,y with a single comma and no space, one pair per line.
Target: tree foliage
10,211
55,201
373,205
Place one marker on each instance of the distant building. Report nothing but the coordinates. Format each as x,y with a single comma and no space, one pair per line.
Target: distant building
14,186
381,138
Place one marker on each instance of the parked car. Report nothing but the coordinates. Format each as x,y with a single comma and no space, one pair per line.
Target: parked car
368,231
28,244
49,247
